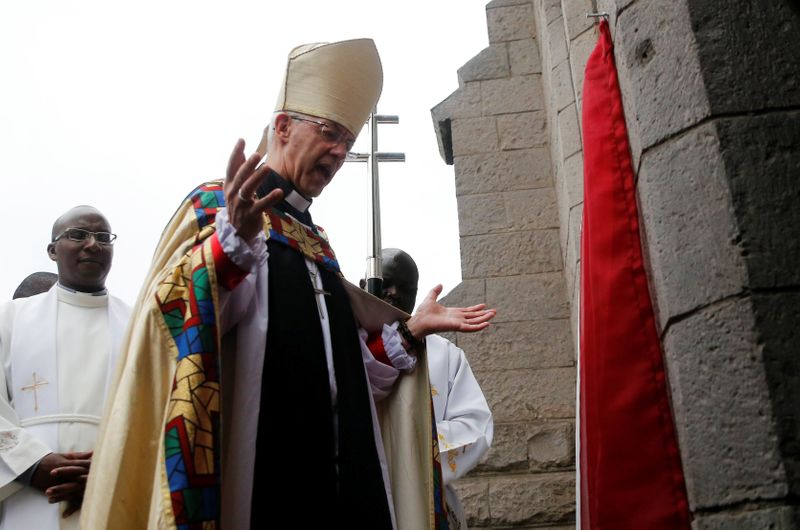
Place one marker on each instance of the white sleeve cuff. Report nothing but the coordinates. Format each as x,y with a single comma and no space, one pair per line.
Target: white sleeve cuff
245,254
393,345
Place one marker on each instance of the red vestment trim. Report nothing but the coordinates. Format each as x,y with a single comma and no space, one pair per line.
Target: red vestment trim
229,275
375,345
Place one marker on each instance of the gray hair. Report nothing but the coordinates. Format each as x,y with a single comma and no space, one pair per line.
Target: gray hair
291,114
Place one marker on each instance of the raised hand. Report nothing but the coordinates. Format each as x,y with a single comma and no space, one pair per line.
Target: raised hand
432,317
245,211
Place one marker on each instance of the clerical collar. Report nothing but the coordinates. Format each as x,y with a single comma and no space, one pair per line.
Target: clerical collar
102,292
293,202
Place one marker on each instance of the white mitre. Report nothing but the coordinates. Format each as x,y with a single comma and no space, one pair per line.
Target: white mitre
338,81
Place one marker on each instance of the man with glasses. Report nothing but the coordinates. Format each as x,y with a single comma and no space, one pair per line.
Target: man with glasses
246,296
58,350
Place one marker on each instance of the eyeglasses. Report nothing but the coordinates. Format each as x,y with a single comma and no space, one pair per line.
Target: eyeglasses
330,134
79,235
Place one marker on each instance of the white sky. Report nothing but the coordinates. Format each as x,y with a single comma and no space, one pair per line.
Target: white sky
128,106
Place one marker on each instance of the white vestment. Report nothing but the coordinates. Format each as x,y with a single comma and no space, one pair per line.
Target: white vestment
463,419
58,351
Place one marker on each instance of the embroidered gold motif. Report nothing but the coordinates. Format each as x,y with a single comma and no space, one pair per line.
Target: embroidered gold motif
35,387
451,461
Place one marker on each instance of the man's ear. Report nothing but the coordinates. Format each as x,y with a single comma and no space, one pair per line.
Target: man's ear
51,251
282,121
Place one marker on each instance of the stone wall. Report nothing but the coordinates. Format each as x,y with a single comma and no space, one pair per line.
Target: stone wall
494,130
712,99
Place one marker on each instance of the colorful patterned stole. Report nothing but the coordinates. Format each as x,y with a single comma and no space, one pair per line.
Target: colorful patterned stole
314,245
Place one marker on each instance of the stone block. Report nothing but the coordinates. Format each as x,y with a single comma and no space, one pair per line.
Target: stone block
563,207
575,311
551,10
569,133
519,345
510,253
722,408
474,135
575,16
762,162
572,178
523,56
776,518
531,209
529,395
502,212
515,94
528,297
563,91
573,247
687,216
521,500
482,214
510,22
474,496
539,446
509,448
579,51
466,293
506,3
556,39
653,38
463,103
748,54
522,130
490,63
777,315
506,171
552,447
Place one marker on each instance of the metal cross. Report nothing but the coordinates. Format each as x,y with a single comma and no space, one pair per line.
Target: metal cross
35,386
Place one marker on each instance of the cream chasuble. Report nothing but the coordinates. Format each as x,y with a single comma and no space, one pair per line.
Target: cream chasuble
57,364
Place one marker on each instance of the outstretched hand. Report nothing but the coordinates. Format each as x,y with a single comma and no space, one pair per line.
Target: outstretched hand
432,317
245,211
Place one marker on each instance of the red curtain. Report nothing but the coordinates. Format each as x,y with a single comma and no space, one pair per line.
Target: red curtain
630,468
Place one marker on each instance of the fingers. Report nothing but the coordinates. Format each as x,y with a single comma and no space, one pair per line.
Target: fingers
477,322
479,316
253,180
268,200
70,472
471,328
244,173
64,492
78,455
235,161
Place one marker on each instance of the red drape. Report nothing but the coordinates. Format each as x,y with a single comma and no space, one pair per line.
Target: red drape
630,469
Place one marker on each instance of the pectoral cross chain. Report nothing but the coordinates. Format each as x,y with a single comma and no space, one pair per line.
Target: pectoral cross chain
34,387
318,290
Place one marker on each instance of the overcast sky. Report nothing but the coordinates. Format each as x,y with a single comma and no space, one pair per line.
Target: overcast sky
128,106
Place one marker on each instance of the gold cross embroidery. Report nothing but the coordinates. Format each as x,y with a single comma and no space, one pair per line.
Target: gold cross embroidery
35,386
